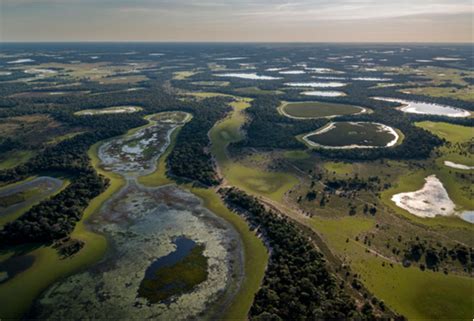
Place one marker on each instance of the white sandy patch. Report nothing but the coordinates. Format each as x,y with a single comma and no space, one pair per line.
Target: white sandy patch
5,73
321,70
252,76
292,72
316,84
447,59
332,125
274,69
323,93
371,79
232,58
156,54
40,71
423,60
94,57
110,110
20,61
457,166
431,200
417,107
329,78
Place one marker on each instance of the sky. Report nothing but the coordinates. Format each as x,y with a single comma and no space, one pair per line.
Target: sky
238,20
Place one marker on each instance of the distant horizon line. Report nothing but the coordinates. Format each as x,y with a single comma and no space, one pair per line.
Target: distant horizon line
228,42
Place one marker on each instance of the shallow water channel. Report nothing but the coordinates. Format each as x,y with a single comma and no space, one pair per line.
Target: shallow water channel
168,256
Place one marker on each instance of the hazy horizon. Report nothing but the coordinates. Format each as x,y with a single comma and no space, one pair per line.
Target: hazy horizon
339,21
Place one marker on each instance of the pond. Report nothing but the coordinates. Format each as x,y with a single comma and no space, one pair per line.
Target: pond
417,107
323,93
168,256
315,109
16,197
430,201
250,76
108,110
316,84
348,135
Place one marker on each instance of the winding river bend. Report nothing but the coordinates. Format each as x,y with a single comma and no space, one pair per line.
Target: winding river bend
143,226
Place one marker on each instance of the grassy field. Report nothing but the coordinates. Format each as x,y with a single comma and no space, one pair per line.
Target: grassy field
253,180
216,83
464,93
257,91
315,109
418,295
14,158
182,75
255,254
459,189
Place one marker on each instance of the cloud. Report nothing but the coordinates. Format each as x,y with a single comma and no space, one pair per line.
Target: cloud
237,18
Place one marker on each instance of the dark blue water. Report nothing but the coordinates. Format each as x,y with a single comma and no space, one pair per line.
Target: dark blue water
183,247
15,265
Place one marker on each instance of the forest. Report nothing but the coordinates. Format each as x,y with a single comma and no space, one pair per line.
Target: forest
297,284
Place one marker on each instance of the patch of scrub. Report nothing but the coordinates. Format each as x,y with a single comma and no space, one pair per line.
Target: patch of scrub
458,166
431,200
109,110
315,109
252,76
320,93
316,84
347,135
416,107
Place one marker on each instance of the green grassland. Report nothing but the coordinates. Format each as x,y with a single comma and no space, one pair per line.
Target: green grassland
216,83
14,158
182,75
315,109
418,295
438,81
255,254
257,91
459,187
410,291
464,93
253,180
